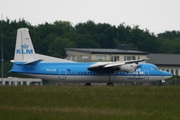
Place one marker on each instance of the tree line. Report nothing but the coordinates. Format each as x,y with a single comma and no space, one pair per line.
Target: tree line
52,38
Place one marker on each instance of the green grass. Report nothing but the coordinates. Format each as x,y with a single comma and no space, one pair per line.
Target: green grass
96,102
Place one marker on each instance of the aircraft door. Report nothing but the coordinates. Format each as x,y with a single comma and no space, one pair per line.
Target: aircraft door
62,74
146,75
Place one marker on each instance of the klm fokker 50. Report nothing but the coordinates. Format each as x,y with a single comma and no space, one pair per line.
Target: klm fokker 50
27,62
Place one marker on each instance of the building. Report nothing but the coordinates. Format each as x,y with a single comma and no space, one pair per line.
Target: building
20,81
86,54
166,62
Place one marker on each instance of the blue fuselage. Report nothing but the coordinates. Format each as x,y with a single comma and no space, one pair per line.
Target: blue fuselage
78,72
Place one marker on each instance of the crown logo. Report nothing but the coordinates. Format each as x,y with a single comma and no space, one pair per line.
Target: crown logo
24,46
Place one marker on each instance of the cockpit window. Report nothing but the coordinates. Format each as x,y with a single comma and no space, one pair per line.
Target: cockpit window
155,68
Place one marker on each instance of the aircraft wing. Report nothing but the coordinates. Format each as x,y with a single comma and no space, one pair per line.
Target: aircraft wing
112,66
137,61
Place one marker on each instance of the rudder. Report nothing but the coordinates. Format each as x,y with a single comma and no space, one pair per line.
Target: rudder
24,50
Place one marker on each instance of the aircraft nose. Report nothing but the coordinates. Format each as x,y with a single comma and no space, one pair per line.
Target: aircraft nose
167,75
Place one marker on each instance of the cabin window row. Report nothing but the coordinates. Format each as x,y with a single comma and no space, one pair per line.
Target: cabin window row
95,73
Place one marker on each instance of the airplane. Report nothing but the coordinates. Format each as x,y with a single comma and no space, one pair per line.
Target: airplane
28,62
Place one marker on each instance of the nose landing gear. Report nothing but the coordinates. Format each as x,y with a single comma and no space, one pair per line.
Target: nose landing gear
160,83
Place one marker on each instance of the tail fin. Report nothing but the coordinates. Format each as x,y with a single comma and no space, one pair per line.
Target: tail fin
24,50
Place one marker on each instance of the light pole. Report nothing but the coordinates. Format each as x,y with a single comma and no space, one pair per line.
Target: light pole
2,57
2,53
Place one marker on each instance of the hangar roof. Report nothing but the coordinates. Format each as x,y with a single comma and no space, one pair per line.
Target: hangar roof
105,51
164,59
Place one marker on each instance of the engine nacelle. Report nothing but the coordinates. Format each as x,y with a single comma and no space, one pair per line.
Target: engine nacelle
128,67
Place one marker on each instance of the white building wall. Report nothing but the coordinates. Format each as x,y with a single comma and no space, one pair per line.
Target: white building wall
93,57
77,56
19,81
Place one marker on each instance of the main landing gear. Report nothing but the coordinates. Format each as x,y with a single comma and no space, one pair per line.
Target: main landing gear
110,83
87,84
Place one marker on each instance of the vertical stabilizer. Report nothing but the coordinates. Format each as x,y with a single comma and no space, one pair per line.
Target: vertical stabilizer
24,50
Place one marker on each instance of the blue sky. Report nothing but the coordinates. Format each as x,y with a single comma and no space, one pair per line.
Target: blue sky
155,15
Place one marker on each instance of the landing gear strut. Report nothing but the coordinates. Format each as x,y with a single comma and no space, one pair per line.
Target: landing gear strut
110,83
160,83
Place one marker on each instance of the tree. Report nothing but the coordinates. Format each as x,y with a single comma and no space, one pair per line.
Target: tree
102,34
58,46
171,35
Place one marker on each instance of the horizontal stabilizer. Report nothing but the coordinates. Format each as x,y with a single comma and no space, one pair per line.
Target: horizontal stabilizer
12,61
33,62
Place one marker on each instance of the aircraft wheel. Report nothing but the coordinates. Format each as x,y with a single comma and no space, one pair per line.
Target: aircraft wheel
110,84
88,84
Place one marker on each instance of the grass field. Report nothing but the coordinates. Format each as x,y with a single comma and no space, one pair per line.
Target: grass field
79,102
